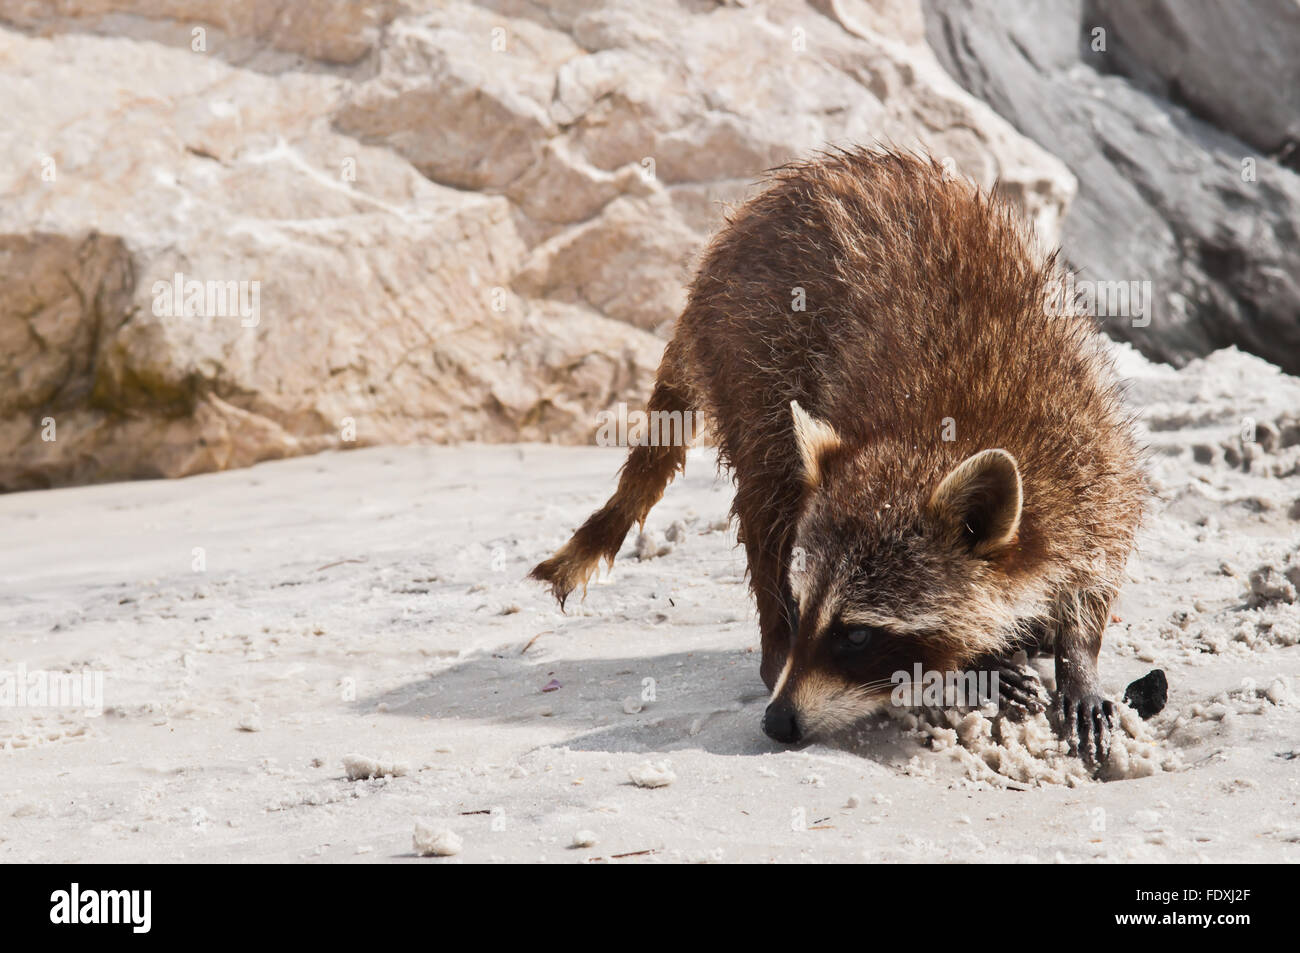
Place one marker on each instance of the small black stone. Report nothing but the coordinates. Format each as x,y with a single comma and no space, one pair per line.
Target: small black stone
1147,695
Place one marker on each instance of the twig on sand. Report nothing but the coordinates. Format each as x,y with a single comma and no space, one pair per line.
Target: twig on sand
338,562
534,639
631,853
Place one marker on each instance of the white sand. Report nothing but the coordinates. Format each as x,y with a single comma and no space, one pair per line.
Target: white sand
373,602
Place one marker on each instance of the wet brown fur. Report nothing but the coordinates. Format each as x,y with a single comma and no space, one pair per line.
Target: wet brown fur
924,303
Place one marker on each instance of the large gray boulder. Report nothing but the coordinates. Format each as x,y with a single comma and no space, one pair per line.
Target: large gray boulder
1164,197
1235,65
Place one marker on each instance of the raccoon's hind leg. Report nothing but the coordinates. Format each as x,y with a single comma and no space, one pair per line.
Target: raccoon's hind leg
646,473
1085,718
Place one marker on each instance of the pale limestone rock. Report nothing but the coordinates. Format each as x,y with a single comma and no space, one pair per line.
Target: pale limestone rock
464,222
335,31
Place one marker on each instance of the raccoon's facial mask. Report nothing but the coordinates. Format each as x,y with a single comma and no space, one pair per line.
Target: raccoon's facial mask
861,627
840,669
848,637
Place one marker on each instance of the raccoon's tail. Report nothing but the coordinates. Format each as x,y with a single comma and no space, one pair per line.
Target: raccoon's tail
646,473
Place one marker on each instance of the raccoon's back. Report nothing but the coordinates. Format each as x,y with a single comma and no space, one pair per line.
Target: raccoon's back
871,274
902,305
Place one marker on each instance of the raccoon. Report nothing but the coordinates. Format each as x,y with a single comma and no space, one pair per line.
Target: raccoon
931,459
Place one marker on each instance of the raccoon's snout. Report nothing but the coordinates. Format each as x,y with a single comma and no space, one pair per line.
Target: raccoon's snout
781,722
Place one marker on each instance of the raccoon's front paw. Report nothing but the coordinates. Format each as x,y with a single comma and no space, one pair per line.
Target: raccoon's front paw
1020,692
1086,723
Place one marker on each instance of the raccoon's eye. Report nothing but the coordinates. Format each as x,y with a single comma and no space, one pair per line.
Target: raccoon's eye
860,638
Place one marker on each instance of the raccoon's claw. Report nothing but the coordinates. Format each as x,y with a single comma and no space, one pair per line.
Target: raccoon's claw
1020,692
1086,725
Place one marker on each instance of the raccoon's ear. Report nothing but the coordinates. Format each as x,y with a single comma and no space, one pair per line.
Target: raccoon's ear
813,437
980,499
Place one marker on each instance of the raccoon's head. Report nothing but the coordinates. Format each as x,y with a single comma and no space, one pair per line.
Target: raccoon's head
889,568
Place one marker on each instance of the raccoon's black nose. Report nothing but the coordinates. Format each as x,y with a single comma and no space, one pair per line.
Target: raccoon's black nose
781,722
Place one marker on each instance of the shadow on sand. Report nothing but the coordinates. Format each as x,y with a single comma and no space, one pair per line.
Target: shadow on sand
708,700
